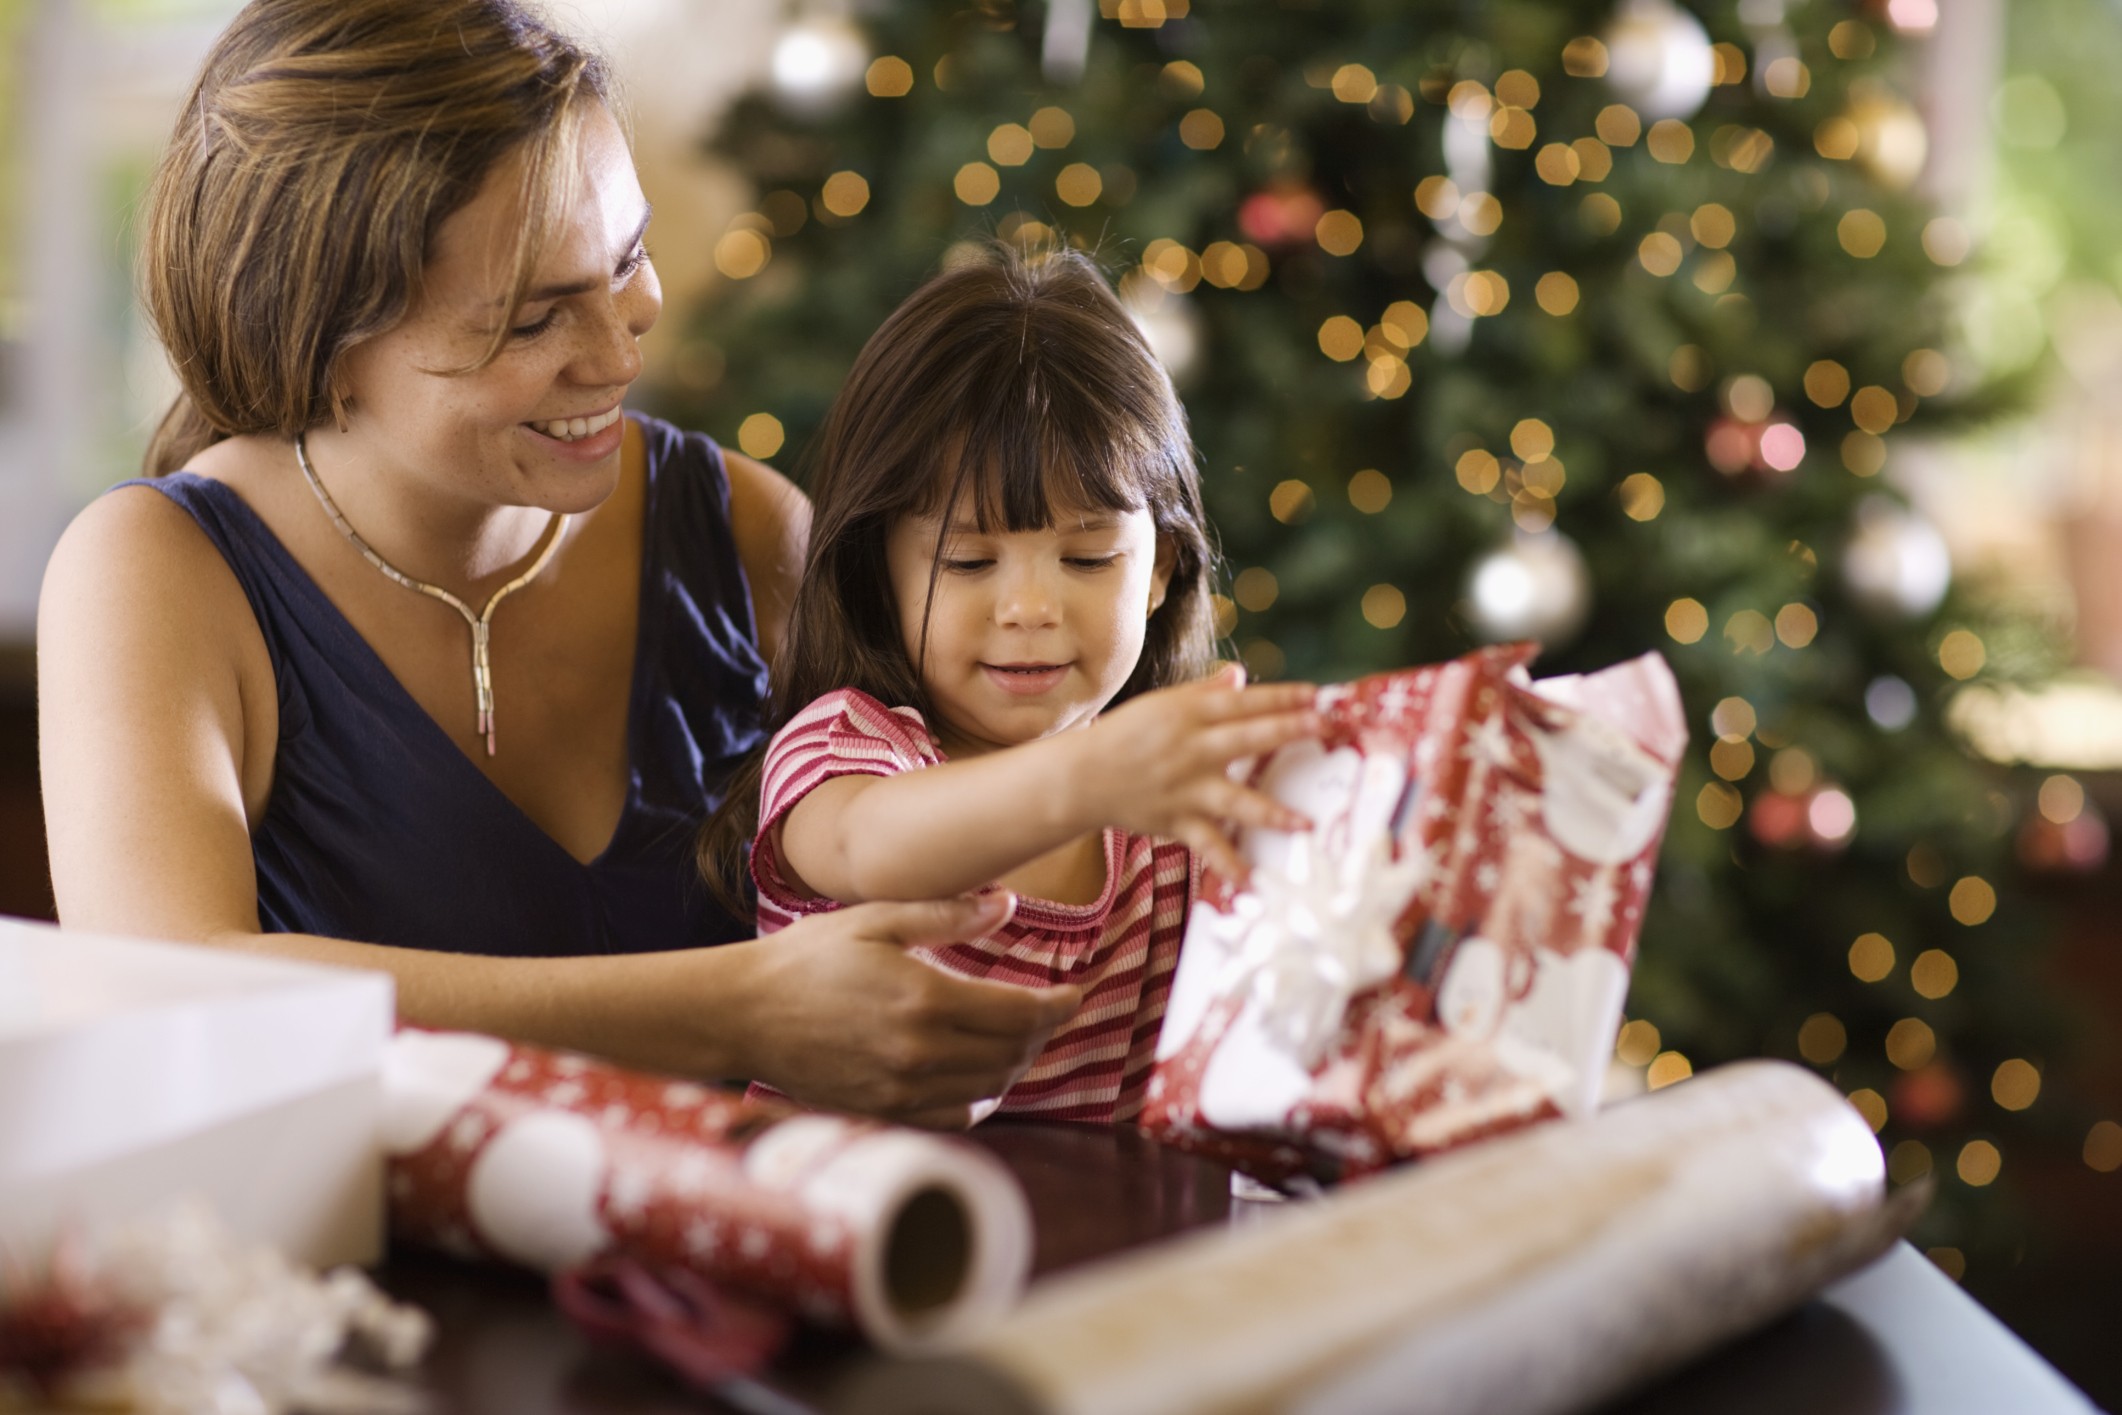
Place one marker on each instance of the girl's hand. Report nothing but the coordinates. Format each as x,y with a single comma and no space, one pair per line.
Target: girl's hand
1159,765
842,1018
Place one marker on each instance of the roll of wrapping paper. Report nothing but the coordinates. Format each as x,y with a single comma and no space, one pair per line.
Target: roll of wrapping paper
548,1160
1538,1273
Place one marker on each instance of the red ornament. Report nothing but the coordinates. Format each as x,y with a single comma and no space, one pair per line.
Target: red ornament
1927,1097
57,1327
2077,846
1283,215
1777,819
1733,446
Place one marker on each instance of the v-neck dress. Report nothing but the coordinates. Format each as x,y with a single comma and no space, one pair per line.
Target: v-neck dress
381,830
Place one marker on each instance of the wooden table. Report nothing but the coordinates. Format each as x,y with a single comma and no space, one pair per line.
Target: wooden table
1896,1339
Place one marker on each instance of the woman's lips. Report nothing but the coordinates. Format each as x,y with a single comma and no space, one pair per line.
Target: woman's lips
592,447
1025,679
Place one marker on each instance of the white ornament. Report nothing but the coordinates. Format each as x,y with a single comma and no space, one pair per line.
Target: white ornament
817,64
1659,59
1171,324
1896,563
1537,587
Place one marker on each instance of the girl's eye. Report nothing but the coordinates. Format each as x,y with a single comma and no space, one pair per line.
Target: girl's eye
966,567
1092,562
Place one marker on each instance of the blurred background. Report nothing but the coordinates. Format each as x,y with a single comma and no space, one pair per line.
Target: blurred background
1780,336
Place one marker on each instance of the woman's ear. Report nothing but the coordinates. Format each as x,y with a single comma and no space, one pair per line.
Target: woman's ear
1160,575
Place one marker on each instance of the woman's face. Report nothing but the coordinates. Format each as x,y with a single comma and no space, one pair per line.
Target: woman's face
539,426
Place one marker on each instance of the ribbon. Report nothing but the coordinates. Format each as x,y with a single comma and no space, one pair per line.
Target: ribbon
1308,937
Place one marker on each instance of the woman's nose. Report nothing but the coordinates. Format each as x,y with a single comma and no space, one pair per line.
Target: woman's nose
611,352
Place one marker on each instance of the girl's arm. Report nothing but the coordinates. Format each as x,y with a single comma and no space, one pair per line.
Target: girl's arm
1155,766
155,695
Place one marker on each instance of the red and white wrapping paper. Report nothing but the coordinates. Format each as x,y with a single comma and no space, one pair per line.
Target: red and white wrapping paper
1445,954
548,1159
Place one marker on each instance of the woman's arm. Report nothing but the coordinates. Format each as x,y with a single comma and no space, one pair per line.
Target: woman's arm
1157,766
771,522
155,694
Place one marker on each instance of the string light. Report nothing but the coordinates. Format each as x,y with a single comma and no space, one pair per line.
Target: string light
977,184
889,77
1851,39
1861,232
1370,491
1339,233
760,435
845,194
1255,590
1718,805
1225,615
1872,1106
2016,1084
1290,502
1826,383
1263,659
1584,57
1642,496
1871,958
1053,127
1340,338
1787,77
1972,901
1478,471
1078,184
1712,225
1010,145
742,253
1910,1043
1181,79
1950,1261
1933,974
2103,1147
1384,606
1512,128
1618,126
1822,1039
1980,1163
1961,654
1671,141
1638,1043
1666,1069
1201,130
1686,621
1353,83
1595,161
1750,632
1659,253
1518,88
1796,625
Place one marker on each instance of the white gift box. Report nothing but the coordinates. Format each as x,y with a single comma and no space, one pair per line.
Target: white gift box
133,1072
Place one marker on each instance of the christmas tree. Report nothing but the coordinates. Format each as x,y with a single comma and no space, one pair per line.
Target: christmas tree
1524,320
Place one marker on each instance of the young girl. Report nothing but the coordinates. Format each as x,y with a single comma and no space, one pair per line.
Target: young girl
1008,539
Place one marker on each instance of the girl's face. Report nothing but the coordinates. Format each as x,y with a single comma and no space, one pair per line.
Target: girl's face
1030,632
540,425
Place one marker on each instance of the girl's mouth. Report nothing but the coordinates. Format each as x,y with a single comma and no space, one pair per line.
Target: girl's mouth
1025,679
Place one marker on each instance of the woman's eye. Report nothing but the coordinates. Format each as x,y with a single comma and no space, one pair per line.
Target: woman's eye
537,326
641,256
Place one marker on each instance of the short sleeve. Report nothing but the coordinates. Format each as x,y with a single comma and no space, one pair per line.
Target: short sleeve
844,733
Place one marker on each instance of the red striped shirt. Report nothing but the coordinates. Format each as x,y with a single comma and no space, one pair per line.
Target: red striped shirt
1120,949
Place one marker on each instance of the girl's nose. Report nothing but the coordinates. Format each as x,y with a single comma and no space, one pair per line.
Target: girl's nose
1026,600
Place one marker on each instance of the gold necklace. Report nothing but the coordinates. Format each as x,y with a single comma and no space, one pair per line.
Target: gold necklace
481,623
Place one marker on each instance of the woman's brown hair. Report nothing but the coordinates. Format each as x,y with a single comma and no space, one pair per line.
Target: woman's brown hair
1012,382
321,148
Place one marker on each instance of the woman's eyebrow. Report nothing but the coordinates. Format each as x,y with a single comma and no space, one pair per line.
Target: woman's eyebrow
583,287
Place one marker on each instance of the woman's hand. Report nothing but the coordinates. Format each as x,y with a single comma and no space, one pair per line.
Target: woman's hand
840,1017
1159,765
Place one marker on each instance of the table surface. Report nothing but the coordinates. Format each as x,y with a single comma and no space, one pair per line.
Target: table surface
1898,1338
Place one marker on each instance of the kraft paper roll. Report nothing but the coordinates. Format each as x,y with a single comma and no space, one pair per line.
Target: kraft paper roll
547,1160
1534,1274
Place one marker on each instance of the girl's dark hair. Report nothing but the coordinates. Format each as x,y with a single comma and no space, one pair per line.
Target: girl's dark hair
1016,382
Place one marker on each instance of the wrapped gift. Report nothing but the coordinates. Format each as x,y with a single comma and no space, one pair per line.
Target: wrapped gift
551,1160
132,1072
1445,954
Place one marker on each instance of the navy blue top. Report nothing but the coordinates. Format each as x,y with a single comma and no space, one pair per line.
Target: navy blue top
380,829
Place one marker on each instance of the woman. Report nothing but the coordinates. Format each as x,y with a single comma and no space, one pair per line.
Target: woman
415,653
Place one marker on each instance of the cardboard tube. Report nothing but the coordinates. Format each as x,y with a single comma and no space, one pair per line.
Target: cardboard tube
548,1160
1538,1273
